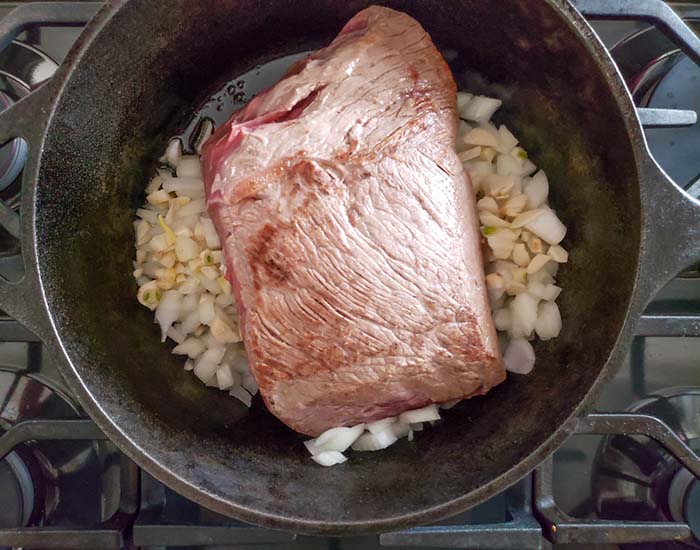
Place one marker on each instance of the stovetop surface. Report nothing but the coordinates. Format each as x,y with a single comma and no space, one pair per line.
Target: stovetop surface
659,359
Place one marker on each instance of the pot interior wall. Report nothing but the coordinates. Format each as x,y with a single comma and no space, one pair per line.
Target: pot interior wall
138,82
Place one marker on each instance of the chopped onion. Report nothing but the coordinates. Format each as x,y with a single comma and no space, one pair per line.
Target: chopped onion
168,311
551,292
173,152
558,254
399,429
523,310
375,442
426,414
502,319
480,108
210,234
519,356
507,140
463,100
521,220
381,425
489,219
520,255
329,458
488,204
189,166
192,347
225,377
186,249
548,321
335,439
536,189
537,263
481,136
547,227
205,369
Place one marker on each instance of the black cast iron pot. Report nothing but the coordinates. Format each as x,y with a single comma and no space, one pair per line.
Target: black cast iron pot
134,78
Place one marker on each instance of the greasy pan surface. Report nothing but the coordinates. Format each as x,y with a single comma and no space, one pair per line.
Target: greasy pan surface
138,81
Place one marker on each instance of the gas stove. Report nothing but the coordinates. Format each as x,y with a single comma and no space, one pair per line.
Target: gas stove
629,478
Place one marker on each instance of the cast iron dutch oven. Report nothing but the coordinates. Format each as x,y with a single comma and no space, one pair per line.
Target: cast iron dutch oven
134,78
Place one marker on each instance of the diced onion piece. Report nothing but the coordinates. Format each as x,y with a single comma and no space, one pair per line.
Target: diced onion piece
506,165
519,356
399,429
501,241
173,152
210,234
207,313
186,249
529,216
426,414
481,108
537,263
547,227
449,404
507,140
536,189
469,154
158,197
463,100
497,186
487,204
175,335
502,319
336,439
192,347
558,254
490,219
536,289
535,244
149,295
495,280
481,136
375,442
487,154
523,311
223,329
514,206
184,187
149,215
154,184
189,166
548,321
168,311
192,208
551,292
205,369
381,425
189,365
329,458
520,255
225,377
528,168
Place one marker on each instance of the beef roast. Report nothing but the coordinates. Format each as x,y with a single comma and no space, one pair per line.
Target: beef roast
350,232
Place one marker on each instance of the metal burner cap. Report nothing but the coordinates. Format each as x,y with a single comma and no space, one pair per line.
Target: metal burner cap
16,492
13,155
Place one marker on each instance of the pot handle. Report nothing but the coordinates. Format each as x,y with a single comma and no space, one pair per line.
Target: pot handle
671,230
26,119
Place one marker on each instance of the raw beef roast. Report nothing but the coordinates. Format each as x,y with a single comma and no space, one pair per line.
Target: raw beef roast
350,233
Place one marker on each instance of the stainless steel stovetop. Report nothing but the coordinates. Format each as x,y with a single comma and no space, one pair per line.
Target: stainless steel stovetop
62,485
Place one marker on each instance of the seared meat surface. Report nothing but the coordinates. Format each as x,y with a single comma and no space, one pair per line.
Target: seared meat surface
350,232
